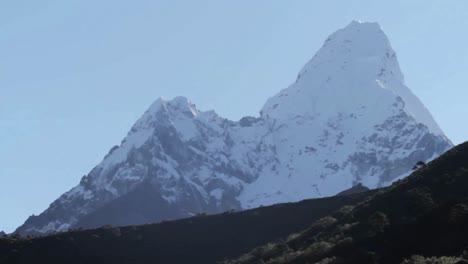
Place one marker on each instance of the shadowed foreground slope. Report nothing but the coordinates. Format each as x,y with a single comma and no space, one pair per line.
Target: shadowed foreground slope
424,214
201,239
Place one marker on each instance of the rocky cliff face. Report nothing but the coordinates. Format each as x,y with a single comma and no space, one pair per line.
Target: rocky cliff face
347,119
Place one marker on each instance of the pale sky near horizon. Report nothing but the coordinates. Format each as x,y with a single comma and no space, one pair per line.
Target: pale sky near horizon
76,74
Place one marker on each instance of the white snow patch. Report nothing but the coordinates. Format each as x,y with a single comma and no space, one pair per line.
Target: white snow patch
217,194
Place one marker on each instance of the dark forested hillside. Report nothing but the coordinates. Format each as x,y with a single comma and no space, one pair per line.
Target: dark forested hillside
415,219
200,239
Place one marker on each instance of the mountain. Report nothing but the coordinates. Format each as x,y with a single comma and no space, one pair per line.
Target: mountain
347,119
419,219
425,214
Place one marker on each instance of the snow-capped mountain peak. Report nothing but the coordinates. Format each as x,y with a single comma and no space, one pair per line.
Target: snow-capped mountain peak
360,44
177,113
347,119
355,68
179,104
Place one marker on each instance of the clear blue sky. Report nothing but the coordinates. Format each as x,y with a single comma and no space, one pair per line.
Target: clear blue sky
76,74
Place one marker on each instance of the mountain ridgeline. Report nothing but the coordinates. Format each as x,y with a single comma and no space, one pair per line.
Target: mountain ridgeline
348,119
198,239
